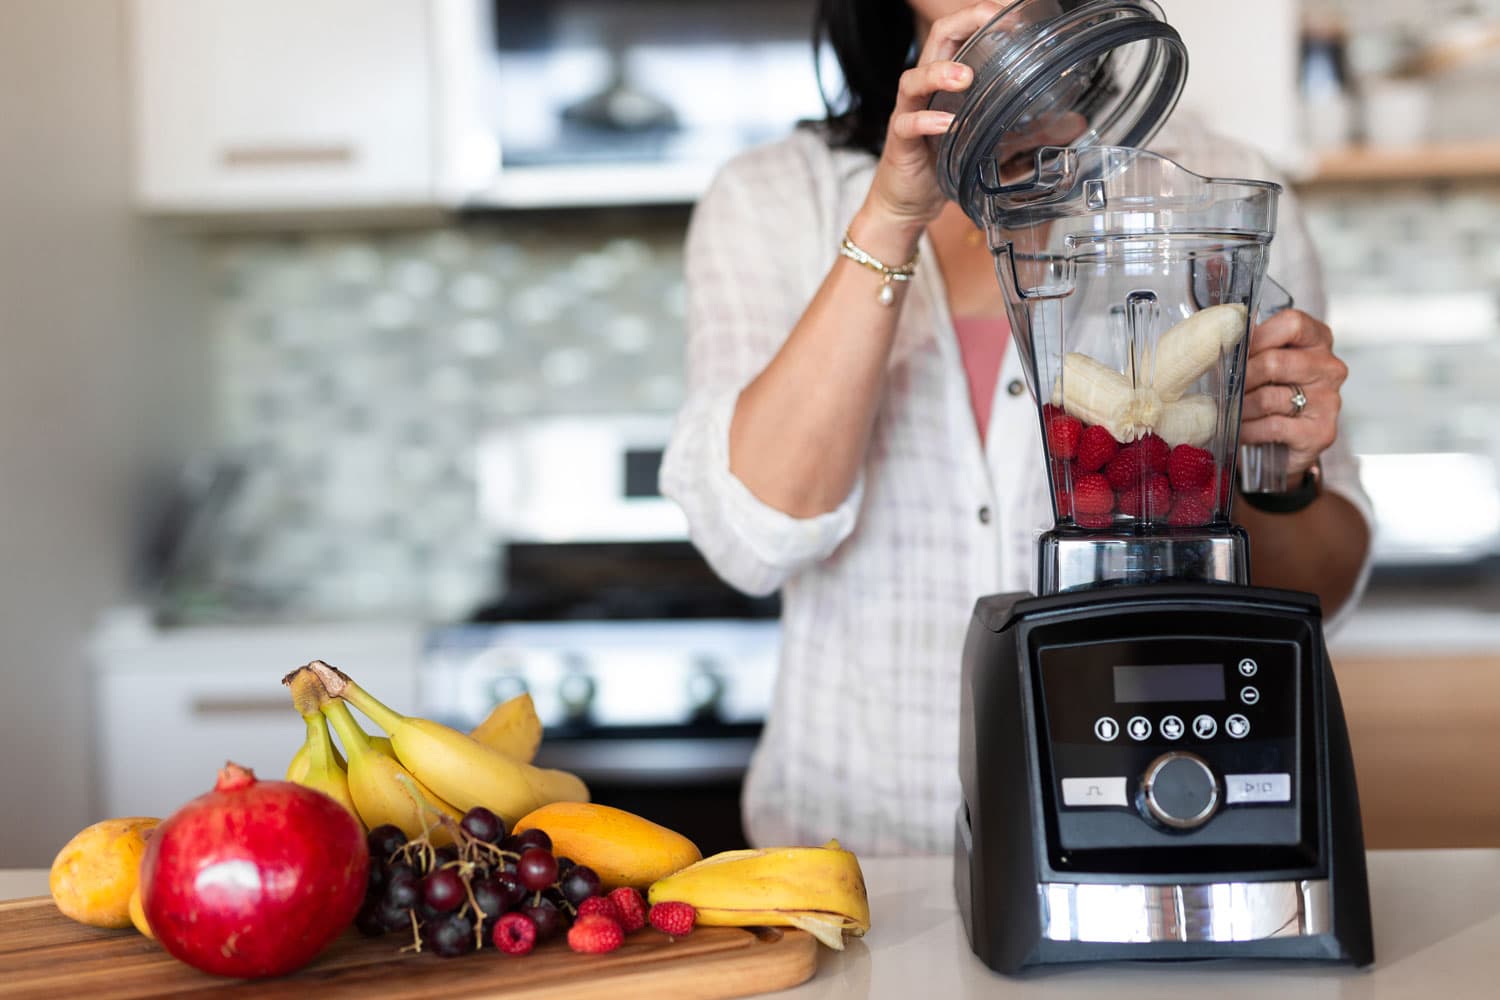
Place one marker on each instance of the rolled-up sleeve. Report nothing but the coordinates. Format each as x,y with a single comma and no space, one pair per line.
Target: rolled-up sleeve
751,269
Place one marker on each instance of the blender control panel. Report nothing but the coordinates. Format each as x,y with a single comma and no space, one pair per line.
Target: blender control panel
1153,741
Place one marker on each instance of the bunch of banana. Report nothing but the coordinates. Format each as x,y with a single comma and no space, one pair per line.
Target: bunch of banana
458,768
318,764
818,889
1095,393
382,790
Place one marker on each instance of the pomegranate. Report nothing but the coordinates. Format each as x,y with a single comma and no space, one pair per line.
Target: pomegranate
254,878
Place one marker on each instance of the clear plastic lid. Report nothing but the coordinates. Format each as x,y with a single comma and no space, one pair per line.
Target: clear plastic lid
1057,73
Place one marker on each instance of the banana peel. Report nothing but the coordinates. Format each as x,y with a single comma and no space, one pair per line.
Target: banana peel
513,728
817,889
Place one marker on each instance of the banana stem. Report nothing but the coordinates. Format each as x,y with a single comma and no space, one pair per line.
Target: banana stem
356,740
319,743
340,685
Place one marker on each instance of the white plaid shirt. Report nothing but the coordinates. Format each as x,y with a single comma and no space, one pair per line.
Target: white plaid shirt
861,742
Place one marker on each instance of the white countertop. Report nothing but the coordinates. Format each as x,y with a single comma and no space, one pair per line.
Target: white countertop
1437,937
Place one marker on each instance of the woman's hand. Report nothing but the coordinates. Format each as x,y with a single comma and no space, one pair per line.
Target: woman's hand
1288,352
905,195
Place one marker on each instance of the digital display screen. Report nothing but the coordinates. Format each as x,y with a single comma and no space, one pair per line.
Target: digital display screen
1176,682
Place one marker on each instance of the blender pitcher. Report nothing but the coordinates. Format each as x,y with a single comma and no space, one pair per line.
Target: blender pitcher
1130,281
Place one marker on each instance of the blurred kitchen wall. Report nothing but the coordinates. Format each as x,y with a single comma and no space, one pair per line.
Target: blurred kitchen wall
99,379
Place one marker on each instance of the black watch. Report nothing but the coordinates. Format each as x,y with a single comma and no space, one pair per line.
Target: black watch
1289,502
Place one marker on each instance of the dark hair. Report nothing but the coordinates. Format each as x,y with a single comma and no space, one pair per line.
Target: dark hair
873,41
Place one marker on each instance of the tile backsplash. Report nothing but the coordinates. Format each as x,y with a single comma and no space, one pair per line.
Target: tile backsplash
356,373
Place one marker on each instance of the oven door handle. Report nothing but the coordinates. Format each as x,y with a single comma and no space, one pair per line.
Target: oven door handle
650,762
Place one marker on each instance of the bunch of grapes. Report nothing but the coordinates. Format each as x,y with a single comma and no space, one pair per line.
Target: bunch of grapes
486,887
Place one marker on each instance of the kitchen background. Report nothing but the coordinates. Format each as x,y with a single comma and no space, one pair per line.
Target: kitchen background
285,297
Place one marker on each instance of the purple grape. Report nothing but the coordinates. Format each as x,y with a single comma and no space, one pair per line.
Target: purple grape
393,917
549,920
368,921
537,869
484,825
579,883
534,837
451,936
509,883
385,840
443,890
403,888
490,896
564,865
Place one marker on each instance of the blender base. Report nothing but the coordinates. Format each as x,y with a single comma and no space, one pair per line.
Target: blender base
1076,559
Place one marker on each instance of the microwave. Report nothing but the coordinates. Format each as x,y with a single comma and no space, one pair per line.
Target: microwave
556,103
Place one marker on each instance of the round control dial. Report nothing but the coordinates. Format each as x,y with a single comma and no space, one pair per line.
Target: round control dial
1179,790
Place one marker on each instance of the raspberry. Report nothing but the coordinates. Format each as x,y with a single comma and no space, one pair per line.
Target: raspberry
1064,503
1189,468
1157,497
1063,433
1094,520
594,935
515,934
1153,453
1050,410
1096,447
601,905
1124,470
631,906
1092,495
1189,511
675,919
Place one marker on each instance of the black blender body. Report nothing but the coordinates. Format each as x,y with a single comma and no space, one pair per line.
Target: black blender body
1153,758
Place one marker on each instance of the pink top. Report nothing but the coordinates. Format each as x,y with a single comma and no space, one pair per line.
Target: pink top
981,344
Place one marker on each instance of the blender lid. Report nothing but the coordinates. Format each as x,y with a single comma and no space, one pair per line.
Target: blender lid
1057,73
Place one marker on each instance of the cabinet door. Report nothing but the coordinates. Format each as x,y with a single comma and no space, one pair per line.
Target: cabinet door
245,105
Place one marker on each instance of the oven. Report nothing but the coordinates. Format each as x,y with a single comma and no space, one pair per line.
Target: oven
651,675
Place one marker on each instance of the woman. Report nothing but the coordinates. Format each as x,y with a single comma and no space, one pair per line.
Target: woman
882,463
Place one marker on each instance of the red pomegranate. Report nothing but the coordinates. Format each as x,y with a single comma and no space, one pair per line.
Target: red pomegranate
254,878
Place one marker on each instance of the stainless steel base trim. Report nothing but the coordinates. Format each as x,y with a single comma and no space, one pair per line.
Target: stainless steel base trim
1213,911
1069,561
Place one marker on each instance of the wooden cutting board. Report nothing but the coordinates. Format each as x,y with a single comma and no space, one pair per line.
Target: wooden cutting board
44,954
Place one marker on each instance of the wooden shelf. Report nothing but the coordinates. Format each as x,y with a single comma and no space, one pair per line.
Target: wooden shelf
1435,162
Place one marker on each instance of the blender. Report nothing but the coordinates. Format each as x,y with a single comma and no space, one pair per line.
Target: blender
1153,758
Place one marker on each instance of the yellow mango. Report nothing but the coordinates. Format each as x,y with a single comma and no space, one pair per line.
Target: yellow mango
95,873
138,914
621,847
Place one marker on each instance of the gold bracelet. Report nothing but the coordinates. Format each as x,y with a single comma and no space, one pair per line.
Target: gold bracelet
888,274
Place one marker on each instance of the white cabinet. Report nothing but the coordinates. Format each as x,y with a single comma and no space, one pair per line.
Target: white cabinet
276,105
174,705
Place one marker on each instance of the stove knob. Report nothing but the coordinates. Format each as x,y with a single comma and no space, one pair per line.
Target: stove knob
705,691
1179,791
576,693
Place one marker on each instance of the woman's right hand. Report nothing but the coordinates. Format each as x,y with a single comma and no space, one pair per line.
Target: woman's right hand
905,194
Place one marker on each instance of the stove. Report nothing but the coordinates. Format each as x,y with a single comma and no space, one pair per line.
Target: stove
652,676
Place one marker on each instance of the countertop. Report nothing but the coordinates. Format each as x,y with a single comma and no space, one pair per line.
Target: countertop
1437,935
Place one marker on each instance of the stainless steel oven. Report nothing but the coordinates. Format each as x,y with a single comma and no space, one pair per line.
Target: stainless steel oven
651,675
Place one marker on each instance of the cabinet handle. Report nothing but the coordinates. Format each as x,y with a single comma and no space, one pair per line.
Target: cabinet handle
243,705
287,156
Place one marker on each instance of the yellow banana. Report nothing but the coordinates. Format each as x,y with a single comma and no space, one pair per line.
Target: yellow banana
819,889
513,728
382,790
1097,394
1189,420
458,767
1188,350
324,771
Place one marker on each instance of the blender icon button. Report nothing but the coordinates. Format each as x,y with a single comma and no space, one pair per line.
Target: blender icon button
1106,728
1171,727
1237,726
1249,695
1204,726
1248,667
1139,728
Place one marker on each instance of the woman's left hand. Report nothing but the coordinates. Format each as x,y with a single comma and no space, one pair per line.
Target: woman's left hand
1288,352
